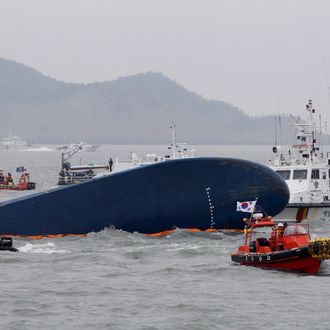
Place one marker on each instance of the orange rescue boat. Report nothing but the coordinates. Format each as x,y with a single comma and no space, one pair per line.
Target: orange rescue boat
24,183
289,247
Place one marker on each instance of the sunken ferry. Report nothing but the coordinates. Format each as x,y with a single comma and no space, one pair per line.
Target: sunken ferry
194,192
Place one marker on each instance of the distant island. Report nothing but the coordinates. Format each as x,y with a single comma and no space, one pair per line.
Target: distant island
131,110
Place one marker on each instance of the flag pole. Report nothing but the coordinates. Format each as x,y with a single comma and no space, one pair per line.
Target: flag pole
247,230
250,221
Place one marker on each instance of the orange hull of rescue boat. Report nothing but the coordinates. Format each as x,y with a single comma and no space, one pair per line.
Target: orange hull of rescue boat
306,264
286,249
19,186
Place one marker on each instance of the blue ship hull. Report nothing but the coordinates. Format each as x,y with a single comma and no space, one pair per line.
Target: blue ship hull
186,193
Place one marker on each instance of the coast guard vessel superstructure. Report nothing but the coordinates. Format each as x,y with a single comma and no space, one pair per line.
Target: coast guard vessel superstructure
306,170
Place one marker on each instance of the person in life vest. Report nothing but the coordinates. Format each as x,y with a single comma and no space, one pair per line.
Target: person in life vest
10,181
277,233
280,229
25,178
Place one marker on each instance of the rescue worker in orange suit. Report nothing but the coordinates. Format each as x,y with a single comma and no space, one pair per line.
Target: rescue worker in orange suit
280,232
25,178
277,232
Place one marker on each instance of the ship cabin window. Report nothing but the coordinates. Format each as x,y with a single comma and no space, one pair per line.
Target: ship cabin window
284,174
299,175
315,174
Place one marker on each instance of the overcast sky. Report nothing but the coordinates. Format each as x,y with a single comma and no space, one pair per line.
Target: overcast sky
262,56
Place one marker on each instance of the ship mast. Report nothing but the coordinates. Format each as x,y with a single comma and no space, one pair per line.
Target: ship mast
307,146
174,146
67,155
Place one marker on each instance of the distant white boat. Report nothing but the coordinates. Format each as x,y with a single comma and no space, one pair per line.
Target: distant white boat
14,143
82,146
176,151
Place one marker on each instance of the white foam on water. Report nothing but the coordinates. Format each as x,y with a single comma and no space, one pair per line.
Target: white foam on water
38,149
46,248
184,246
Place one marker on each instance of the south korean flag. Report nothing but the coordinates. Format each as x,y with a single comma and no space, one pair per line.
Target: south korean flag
246,206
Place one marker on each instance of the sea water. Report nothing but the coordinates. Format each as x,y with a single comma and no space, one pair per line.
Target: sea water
118,280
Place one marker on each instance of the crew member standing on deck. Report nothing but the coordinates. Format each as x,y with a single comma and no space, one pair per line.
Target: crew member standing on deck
110,164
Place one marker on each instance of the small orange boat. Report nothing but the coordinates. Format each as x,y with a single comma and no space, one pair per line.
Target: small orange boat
289,247
24,183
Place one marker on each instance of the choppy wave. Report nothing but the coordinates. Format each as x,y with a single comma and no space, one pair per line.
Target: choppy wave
46,248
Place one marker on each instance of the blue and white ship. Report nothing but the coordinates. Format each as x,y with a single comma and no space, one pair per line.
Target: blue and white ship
305,167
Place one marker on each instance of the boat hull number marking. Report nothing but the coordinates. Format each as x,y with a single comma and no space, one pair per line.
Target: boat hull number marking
258,258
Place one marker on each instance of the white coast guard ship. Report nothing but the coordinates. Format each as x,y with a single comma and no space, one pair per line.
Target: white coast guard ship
14,143
306,170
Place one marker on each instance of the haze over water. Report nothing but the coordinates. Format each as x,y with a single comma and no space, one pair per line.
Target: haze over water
119,280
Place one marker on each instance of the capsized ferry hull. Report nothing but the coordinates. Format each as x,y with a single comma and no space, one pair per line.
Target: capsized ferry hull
185,193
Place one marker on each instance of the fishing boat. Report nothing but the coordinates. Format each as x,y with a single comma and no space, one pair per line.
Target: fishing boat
289,246
306,169
77,173
80,173
194,192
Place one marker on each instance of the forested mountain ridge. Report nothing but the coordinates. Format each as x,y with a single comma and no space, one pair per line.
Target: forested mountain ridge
135,109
